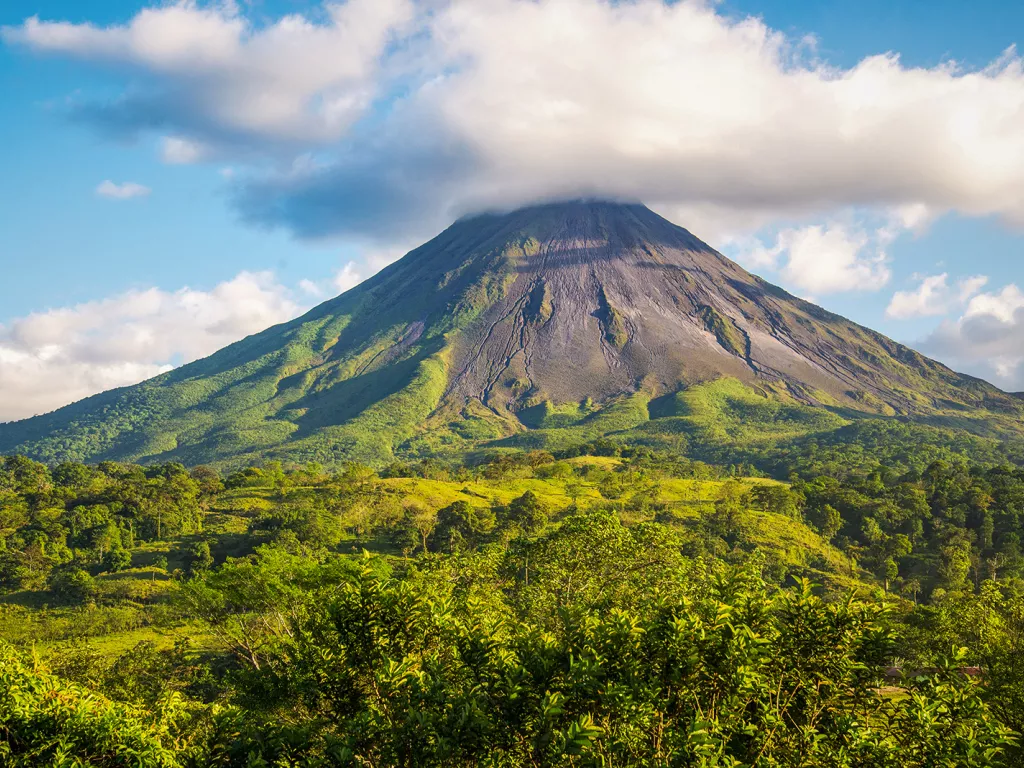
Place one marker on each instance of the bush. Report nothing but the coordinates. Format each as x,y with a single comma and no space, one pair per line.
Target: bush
117,559
45,721
734,676
72,585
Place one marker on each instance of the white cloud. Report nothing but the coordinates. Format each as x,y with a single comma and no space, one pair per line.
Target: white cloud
987,340
912,216
347,277
508,101
351,273
376,259
831,259
721,226
969,286
175,150
1003,306
125,191
934,296
217,75
753,253
930,298
49,359
823,258
695,107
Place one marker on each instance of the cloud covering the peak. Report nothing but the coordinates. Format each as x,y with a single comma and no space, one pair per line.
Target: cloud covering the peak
380,121
415,112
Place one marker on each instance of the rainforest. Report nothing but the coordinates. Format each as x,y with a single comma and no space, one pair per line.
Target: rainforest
606,604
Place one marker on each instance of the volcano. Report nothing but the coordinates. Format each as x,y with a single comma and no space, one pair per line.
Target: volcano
538,319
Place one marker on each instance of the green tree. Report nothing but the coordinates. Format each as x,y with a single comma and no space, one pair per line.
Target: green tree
728,674
251,604
527,512
955,565
831,523
728,508
117,559
45,721
890,572
461,525
574,489
777,499
405,534
198,558
72,585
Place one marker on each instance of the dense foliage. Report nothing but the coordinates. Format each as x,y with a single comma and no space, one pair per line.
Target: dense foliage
604,605
44,721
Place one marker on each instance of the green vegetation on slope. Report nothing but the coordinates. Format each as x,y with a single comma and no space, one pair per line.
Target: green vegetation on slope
728,413
729,336
539,327
350,380
612,322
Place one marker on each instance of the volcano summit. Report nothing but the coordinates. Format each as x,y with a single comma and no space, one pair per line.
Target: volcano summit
566,320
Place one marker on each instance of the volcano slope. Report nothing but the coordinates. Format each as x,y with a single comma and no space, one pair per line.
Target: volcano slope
542,326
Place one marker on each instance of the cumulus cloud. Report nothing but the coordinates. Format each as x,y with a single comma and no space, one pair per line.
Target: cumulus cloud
823,259
213,76
692,110
49,359
125,191
349,276
988,339
930,298
425,110
831,259
351,273
311,288
933,296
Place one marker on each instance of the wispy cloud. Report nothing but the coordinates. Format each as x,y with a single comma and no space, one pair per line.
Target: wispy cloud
175,150
124,191
824,259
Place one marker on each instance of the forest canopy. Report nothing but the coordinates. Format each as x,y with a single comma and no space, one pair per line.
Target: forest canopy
608,604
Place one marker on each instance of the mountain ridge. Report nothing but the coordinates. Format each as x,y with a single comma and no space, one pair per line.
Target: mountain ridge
567,307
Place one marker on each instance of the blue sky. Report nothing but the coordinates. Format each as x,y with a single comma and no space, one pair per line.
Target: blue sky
302,197
182,234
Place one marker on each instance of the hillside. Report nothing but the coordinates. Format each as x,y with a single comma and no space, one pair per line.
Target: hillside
260,511
546,325
161,542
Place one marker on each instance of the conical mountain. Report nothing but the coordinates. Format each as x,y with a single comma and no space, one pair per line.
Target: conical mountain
547,317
